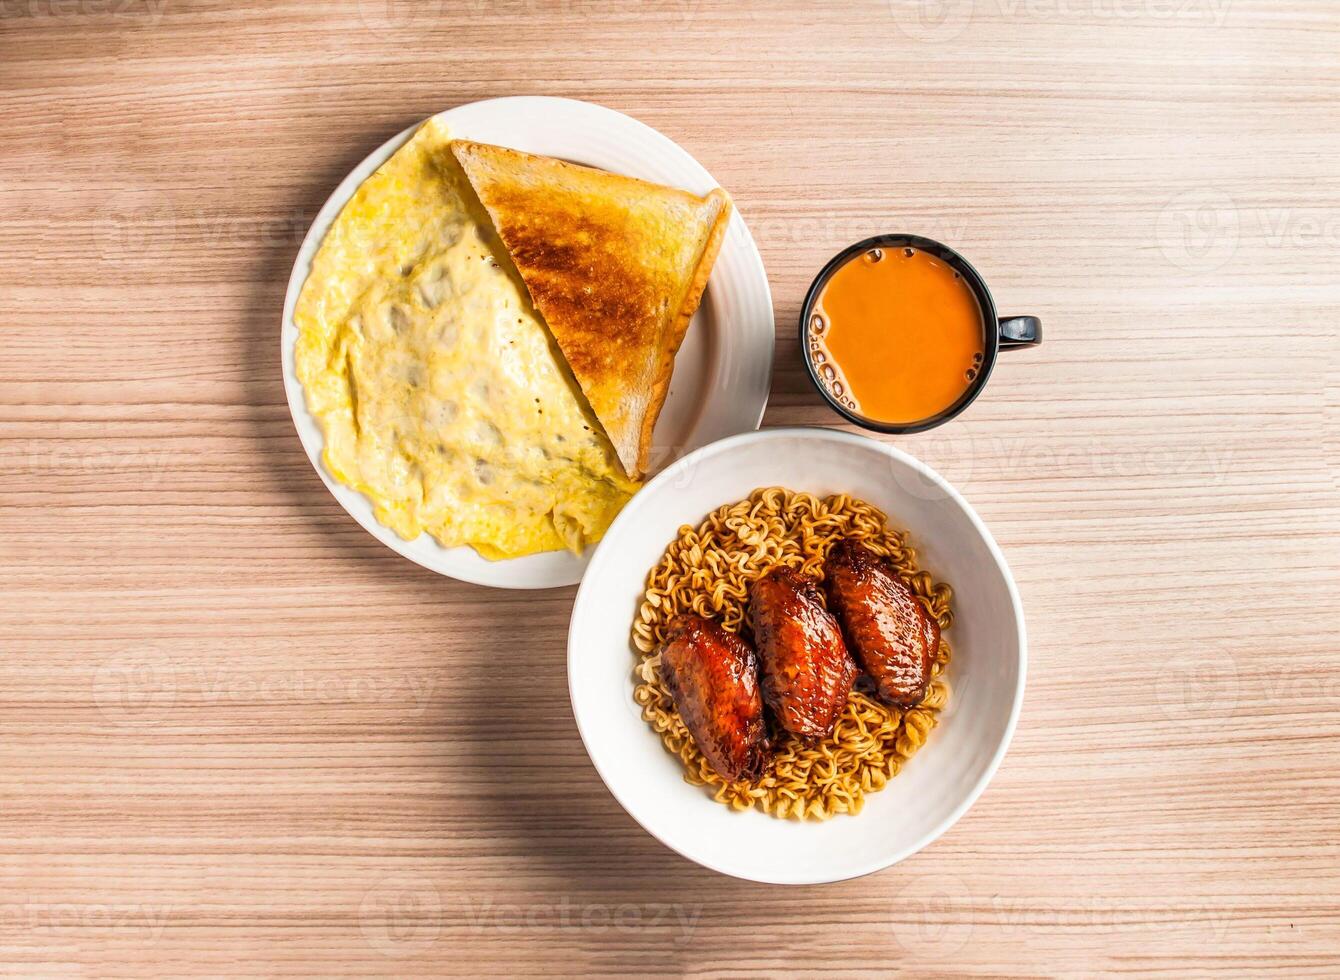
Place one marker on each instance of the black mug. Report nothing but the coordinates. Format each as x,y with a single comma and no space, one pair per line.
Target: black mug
998,333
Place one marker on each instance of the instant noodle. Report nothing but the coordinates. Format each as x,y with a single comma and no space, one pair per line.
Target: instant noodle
707,570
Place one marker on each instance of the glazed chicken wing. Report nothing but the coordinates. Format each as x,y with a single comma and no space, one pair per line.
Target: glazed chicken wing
712,675
889,632
807,671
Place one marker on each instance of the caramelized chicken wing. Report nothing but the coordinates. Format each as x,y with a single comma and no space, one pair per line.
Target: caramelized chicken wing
889,632
712,675
807,671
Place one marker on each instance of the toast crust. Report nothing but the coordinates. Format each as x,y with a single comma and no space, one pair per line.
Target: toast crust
679,326
615,265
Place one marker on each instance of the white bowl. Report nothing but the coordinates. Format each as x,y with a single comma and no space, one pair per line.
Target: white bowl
935,787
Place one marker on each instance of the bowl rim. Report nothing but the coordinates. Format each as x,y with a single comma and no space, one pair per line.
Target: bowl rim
632,511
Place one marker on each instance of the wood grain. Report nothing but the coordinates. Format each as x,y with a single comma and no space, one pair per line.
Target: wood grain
242,737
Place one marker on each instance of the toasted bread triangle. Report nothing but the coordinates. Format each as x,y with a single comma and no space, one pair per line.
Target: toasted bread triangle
616,266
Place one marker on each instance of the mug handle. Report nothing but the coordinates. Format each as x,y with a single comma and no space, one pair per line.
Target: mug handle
1019,331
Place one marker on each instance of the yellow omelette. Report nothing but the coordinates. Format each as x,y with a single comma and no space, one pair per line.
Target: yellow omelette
439,390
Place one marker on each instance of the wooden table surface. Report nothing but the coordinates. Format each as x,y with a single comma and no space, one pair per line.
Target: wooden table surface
238,735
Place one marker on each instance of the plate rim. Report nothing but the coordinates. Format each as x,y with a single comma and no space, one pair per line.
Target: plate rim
495,574
819,433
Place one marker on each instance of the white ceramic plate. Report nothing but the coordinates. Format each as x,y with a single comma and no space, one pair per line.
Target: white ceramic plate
722,373
937,785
